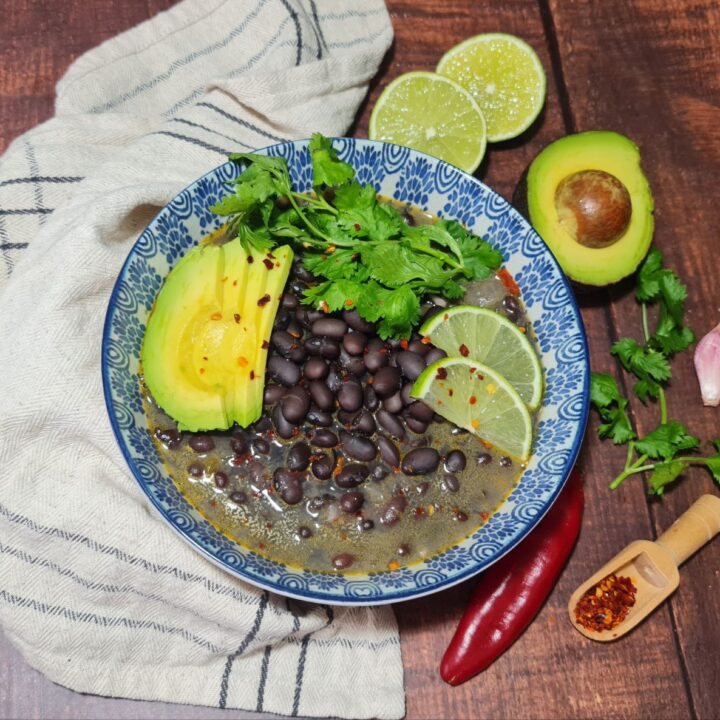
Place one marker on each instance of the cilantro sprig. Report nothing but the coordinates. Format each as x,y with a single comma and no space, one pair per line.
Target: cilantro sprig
361,249
666,451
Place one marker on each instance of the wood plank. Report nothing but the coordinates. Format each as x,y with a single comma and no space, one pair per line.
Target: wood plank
661,87
551,671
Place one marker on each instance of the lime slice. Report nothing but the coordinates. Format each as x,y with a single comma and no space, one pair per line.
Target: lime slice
485,336
504,75
475,397
433,114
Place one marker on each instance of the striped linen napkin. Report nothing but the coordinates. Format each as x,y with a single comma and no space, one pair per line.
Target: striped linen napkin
95,591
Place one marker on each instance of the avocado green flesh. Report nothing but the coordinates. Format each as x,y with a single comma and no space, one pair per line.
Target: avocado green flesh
203,358
595,150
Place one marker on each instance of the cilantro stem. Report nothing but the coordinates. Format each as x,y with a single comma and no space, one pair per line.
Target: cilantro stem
307,223
663,406
316,200
627,472
646,330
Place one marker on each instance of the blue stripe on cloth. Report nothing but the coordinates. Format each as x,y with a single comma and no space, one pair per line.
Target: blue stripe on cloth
263,678
42,179
241,649
105,621
353,14
318,30
210,130
239,121
193,141
298,30
27,211
237,31
303,658
13,246
35,170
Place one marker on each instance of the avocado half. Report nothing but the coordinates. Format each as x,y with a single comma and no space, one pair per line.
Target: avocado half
589,200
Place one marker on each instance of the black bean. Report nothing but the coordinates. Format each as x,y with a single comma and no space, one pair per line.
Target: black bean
505,461
263,425
289,485
380,472
420,461
323,467
308,317
350,396
273,393
295,329
351,502
451,483
484,458
392,424
511,308
403,550
315,369
297,355
394,343
353,364
342,561
295,404
201,443
388,451
359,448
299,456
315,504
329,327
405,394
304,532
365,525
284,428
422,488
283,342
417,426
420,411
319,417
169,437
347,418
196,469
393,404
351,475
322,395
386,382
376,355
364,423
257,473
221,479
260,446
324,438
460,516
419,347
354,343
455,461
238,497
391,513
289,301
334,379
458,431
353,319
286,371
370,399
302,273
282,319
411,364
434,355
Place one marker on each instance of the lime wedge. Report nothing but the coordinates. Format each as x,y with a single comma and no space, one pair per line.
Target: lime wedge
430,113
472,396
485,336
504,75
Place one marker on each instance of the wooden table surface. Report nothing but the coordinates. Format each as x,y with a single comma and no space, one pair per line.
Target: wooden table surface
646,68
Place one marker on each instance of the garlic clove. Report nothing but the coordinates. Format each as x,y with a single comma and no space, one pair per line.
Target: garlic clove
707,367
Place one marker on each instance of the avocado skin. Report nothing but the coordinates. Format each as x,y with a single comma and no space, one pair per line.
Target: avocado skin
535,193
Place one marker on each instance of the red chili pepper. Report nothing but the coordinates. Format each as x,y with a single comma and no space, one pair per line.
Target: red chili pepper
509,282
512,591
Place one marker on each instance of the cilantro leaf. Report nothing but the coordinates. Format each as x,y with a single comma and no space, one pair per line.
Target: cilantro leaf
376,222
713,462
648,280
663,474
641,361
479,257
394,264
327,169
333,295
669,337
603,390
617,425
666,441
401,312
354,196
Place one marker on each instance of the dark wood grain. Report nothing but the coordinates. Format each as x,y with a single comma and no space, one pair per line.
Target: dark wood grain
643,67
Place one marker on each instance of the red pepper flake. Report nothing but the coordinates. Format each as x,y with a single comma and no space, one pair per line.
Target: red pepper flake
202,371
446,316
473,370
441,374
450,392
404,344
216,316
252,374
251,259
264,300
324,307
242,361
507,280
204,357
268,264
277,264
606,604
330,249
349,302
425,340
234,283
357,227
265,345
464,350
484,516
225,278
270,255
261,546
472,400
236,318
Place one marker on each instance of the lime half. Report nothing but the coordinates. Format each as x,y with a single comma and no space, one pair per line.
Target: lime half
475,397
430,113
485,336
504,75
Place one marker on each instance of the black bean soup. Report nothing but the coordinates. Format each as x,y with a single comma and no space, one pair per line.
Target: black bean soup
344,471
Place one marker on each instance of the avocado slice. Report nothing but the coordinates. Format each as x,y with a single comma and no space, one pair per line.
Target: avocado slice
205,347
587,197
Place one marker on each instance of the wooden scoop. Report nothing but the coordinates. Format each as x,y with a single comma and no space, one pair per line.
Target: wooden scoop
653,566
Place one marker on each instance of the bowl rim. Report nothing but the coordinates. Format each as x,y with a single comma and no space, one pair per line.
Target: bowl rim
394,595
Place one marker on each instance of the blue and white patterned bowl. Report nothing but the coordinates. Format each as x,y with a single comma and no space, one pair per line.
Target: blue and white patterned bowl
438,188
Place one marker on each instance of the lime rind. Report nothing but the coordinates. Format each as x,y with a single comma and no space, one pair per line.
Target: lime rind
431,113
494,341
466,50
479,399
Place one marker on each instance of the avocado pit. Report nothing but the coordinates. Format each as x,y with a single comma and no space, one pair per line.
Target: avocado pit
593,207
